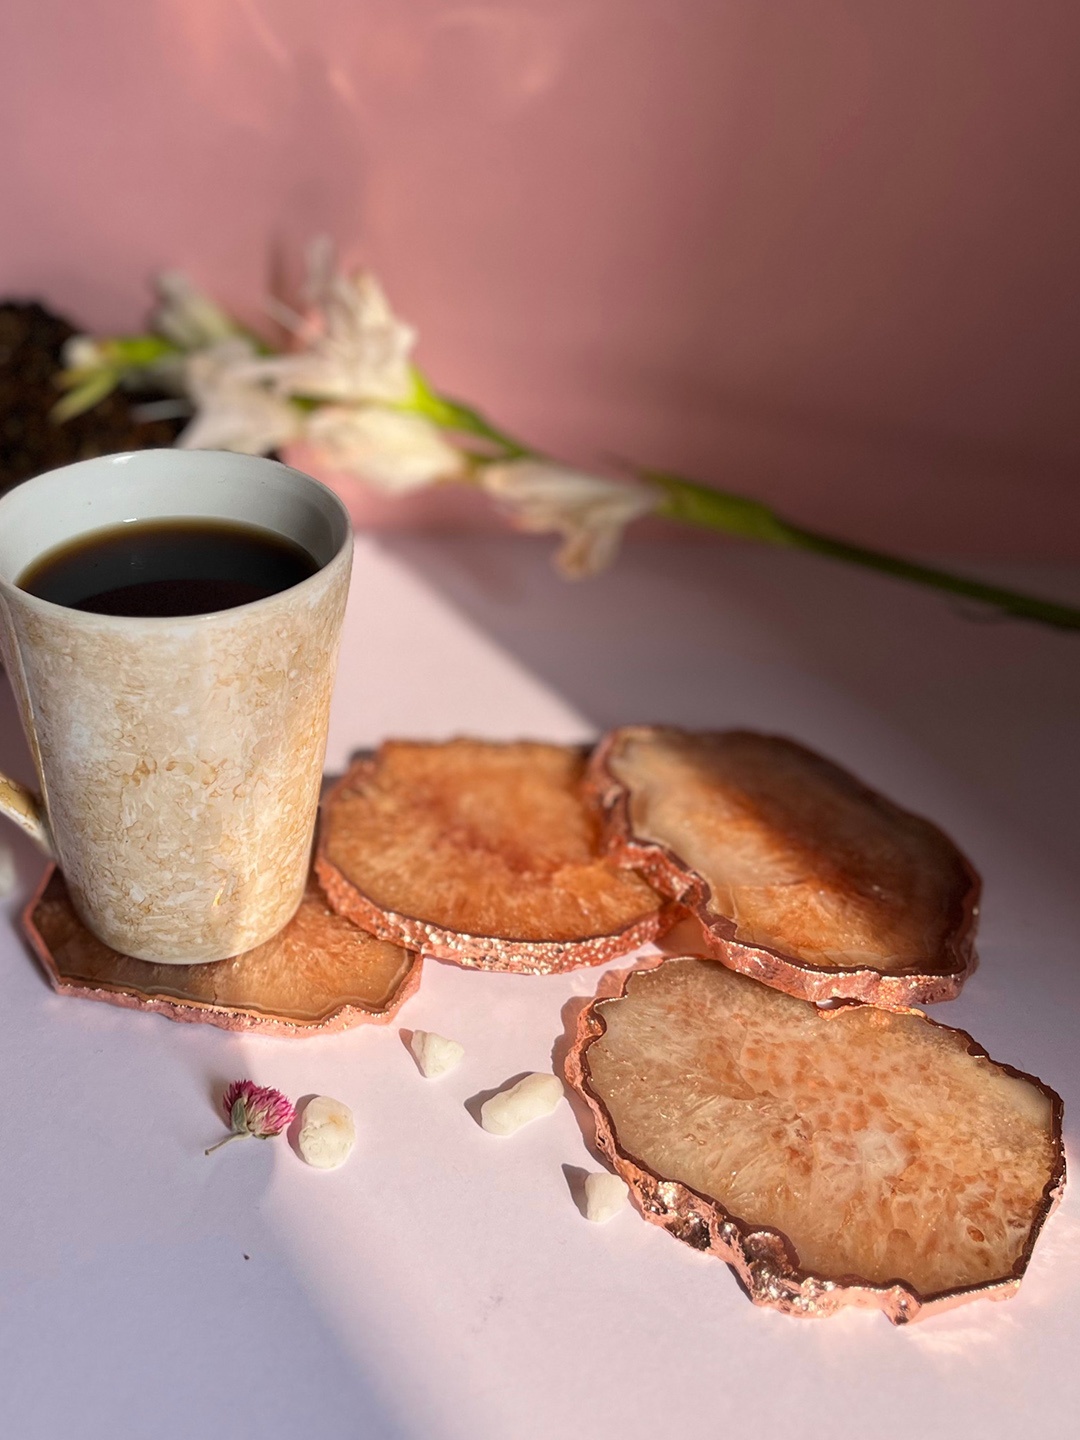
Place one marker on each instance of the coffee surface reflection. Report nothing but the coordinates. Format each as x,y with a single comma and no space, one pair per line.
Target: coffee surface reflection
168,568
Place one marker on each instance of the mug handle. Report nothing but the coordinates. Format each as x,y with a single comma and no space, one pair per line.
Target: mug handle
27,811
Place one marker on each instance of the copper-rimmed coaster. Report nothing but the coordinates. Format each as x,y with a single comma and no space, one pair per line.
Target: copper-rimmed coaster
481,852
802,877
832,1157
320,974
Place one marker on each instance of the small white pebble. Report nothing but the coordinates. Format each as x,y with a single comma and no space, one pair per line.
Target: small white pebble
605,1196
327,1133
7,871
435,1054
529,1099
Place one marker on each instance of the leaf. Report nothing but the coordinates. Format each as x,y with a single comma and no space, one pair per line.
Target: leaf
85,395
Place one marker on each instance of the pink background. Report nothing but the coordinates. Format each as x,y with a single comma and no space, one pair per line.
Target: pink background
825,250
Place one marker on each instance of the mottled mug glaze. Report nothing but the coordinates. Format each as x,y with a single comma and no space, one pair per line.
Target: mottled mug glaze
179,760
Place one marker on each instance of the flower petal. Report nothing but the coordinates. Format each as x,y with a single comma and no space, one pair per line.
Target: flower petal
356,348
234,411
259,1110
391,449
589,511
186,316
82,352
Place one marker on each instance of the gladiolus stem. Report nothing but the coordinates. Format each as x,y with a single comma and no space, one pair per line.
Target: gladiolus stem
694,504
460,418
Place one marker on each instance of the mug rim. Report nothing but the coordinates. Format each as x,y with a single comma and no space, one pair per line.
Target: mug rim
122,457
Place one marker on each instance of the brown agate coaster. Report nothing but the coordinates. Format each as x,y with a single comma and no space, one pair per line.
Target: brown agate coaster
482,853
841,1156
320,974
800,875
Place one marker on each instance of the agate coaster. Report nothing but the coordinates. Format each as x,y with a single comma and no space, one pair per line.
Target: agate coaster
483,853
801,876
833,1157
320,974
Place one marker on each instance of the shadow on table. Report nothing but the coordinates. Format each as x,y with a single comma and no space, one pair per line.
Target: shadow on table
707,633
968,720
182,1337
163,1305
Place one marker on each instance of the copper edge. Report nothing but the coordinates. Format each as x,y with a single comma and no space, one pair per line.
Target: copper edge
765,1260
481,952
672,877
345,1016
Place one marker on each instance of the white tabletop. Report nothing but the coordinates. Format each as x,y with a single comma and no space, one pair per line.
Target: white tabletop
443,1285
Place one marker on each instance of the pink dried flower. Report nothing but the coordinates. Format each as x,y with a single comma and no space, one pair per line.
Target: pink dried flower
252,1109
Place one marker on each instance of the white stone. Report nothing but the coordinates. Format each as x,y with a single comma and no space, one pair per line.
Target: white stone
605,1196
435,1054
7,871
531,1098
327,1133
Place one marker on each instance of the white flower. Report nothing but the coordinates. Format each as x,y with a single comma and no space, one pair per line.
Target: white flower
356,349
233,411
186,316
82,352
391,449
587,510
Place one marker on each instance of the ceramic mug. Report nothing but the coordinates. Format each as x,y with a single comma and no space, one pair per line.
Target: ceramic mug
179,759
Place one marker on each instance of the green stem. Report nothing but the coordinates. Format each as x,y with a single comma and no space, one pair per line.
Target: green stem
693,504
463,419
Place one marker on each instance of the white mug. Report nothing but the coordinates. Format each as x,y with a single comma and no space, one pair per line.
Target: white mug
179,759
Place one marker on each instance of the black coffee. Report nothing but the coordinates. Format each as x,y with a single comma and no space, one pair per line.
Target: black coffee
168,567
